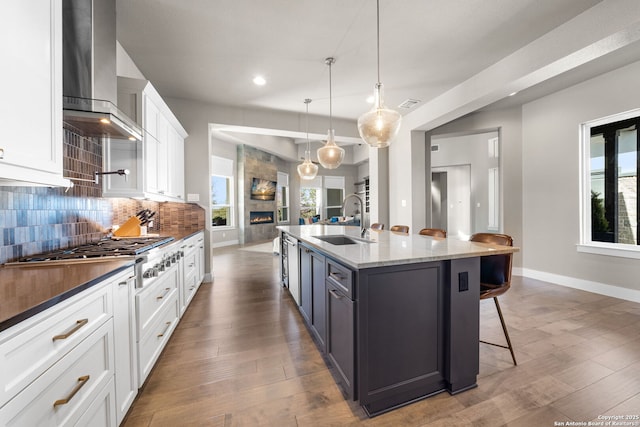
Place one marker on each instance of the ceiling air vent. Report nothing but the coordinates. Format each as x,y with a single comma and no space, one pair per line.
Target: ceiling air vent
409,103
435,147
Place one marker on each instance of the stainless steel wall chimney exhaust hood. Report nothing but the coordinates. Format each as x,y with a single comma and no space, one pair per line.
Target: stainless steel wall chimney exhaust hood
89,71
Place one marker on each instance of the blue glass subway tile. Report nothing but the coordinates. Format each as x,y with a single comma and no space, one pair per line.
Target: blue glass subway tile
21,216
9,236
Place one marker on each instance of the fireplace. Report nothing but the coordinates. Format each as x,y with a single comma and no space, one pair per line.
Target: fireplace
260,217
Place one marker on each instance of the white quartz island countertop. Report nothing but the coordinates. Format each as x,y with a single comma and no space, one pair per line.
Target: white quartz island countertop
384,248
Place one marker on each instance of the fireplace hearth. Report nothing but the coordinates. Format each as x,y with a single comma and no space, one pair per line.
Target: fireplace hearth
260,217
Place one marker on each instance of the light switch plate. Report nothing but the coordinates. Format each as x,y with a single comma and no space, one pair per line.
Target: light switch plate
193,197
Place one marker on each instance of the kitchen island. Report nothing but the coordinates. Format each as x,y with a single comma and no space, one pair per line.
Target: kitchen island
397,315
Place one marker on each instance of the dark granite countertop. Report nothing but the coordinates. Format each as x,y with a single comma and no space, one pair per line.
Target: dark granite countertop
30,289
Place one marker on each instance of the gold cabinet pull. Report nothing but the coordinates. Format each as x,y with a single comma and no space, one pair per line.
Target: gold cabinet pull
79,324
166,291
81,382
166,328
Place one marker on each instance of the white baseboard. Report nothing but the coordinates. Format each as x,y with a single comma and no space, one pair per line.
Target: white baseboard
225,243
584,285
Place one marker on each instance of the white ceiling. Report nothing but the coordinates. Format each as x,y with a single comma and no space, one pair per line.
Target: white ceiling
209,50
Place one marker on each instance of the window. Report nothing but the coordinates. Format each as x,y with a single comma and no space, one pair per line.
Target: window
222,198
282,197
311,198
334,202
610,182
334,190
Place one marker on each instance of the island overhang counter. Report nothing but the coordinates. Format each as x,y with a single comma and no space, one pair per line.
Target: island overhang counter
397,315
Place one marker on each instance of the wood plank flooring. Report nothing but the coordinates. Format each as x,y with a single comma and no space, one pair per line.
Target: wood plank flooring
241,356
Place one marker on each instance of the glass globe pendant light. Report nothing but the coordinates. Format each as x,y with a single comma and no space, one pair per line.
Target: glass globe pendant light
379,126
330,155
307,170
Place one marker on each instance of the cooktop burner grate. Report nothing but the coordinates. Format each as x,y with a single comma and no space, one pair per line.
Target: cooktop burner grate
102,248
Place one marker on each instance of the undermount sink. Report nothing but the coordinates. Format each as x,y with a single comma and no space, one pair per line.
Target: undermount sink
341,240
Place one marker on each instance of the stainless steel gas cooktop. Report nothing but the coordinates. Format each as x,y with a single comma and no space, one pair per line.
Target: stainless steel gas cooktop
103,248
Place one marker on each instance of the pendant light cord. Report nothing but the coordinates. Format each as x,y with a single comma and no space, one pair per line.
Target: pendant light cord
307,101
329,62
378,35
330,97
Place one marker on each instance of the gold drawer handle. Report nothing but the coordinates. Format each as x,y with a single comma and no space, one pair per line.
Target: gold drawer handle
79,324
166,291
81,382
168,324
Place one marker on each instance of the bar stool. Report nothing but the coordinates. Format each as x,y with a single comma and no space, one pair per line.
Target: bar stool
495,278
433,232
377,226
400,228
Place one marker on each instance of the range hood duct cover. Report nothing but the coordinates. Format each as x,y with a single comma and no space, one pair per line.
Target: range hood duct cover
89,87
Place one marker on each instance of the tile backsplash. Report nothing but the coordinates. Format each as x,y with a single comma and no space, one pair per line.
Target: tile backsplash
39,219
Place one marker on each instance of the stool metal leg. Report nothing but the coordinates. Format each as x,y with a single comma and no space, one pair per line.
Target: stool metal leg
506,334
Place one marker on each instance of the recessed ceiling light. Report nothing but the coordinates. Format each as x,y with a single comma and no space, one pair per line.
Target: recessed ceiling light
370,99
259,81
512,93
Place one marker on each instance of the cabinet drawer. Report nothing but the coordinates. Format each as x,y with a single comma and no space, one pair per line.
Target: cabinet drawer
63,393
341,277
190,287
151,344
29,348
101,412
150,300
190,262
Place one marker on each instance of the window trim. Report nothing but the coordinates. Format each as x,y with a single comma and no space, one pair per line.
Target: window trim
586,245
230,205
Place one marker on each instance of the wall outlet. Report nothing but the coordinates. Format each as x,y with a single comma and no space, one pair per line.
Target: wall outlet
403,203
193,197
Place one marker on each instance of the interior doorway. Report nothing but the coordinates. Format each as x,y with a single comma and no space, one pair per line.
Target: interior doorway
472,188
451,200
439,199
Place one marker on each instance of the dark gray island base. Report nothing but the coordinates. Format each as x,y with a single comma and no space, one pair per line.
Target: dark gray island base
396,326
417,331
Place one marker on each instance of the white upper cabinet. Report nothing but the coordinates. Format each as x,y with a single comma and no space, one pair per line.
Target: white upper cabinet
31,88
156,164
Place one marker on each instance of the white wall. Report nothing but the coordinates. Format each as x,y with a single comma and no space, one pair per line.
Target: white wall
551,181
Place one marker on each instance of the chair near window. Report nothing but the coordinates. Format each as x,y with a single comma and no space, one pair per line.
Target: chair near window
433,232
377,226
400,228
495,278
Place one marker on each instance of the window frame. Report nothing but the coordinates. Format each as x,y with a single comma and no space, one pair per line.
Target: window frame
283,183
586,244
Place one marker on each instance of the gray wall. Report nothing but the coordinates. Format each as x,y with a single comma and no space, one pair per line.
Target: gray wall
509,125
551,177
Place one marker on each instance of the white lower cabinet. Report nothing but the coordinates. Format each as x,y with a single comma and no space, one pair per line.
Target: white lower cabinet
154,340
192,263
126,352
29,348
63,393
157,315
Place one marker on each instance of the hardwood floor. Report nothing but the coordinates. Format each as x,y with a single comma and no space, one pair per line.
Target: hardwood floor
241,356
